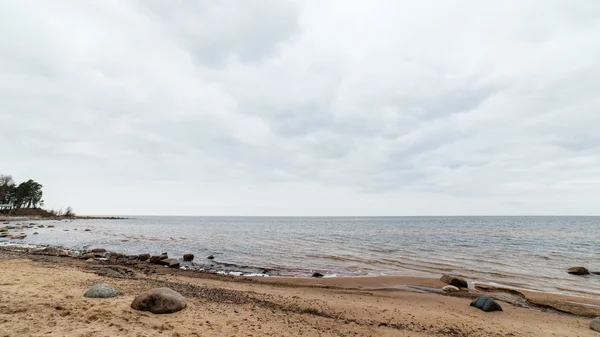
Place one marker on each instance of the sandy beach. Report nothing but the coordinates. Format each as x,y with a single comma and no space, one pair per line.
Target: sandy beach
43,296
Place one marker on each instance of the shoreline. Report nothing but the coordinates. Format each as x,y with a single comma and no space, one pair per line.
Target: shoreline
9,218
587,307
42,294
18,226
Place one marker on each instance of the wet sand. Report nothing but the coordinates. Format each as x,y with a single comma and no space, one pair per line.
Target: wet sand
43,296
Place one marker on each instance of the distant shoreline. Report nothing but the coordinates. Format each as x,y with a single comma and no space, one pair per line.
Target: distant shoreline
5,218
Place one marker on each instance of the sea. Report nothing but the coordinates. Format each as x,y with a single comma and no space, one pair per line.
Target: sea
530,253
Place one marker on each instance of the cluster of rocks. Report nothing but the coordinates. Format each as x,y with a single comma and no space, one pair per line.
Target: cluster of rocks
157,301
4,231
455,284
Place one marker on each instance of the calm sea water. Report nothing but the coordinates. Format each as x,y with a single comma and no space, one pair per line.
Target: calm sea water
524,252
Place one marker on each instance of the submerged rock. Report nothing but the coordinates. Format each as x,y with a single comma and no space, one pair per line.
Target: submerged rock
454,281
317,275
210,257
159,301
101,290
578,270
188,257
486,303
595,324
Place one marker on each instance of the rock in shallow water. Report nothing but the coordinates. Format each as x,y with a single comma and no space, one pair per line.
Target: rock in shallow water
454,281
486,303
101,290
159,301
578,271
317,275
188,257
595,324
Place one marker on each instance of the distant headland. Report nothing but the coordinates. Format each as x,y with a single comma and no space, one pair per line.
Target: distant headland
25,201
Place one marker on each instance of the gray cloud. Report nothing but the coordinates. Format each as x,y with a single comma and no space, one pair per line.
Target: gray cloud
303,107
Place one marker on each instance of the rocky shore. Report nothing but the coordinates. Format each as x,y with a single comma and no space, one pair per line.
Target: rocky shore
42,292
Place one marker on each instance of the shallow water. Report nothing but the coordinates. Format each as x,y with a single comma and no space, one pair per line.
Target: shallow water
524,252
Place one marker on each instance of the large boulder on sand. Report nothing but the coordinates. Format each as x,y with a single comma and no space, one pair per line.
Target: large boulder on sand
578,271
486,303
101,290
454,281
159,301
595,324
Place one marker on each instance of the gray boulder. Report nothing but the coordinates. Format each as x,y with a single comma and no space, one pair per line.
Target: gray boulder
454,281
486,303
101,290
595,324
159,301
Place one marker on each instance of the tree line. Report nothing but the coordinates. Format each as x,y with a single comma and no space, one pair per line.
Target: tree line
27,194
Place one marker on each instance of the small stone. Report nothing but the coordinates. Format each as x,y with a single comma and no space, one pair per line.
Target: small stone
595,324
454,281
144,257
63,254
35,233
88,256
98,250
159,301
210,257
486,304
101,290
50,226
188,257
87,230
317,275
450,289
578,270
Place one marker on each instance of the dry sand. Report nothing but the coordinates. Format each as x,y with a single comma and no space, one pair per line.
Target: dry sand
43,296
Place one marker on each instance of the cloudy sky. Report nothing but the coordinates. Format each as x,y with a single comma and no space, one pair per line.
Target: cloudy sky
274,107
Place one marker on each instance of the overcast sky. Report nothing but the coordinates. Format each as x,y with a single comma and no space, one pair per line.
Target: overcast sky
274,107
